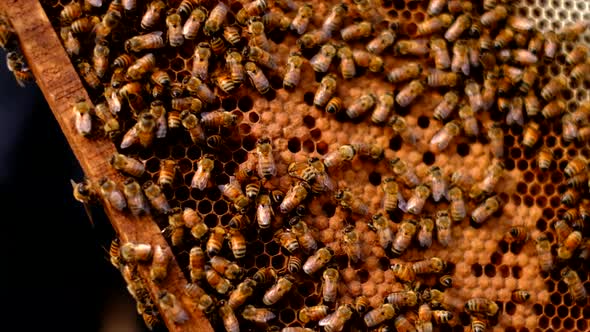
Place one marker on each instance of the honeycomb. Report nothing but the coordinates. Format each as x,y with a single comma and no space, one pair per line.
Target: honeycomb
482,262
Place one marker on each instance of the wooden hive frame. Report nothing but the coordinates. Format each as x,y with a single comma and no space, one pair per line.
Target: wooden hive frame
61,86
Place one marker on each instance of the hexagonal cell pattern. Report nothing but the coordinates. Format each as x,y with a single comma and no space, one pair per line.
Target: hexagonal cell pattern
482,259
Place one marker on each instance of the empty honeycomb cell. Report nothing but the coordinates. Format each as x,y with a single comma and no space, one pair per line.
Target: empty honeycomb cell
262,260
522,164
204,207
490,270
521,188
182,193
309,121
517,272
503,246
476,270
277,262
555,201
423,121
516,199
463,149
272,248
555,322
528,200
562,311
245,104
543,322
294,144
308,146
152,165
510,308
582,324
220,207
253,117
287,316
428,158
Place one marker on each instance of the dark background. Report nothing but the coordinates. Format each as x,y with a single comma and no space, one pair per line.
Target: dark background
54,267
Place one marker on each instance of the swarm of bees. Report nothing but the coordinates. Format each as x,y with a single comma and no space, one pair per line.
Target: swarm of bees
475,60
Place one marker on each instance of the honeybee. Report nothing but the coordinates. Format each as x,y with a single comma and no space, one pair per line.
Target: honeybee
304,236
345,198
335,321
517,234
418,199
149,41
286,239
111,194
543,247
384,107
233,192
294,197
296,329
581,72
84,68
569,245
352,244
562,229
443,137
159,112
216,19
424,322
457,206
134,196
68,14
575,285
368,60
492,177
71,43
334,20
377,316
470,126
229,269
409,93
443,227
446,106
553,87
152,14
202,176
257,78
261,57
442,316
301,21
266,163
403,237
438,184
276,292
520,296
315,313
257,36
578,181
356,31
192,124
404,272
496,137
478,324
414,47
482,212
531,134
553,109
172,307
434,24
551,45
250,9
403,73
217,281
382,42
400,299
337,157
401,128
215,241
383,229
493,16
575,166
430,265
438,78
83,119
573,31
191,27
461,23
322,60
361,105
156,197
240,295
317,261
293,72
257,315
127,165
446,281
201,59
402,170
136,252
426,227
84,24
440,53
481,306
460,62
330,285
196,263
229,319
347,66
159,268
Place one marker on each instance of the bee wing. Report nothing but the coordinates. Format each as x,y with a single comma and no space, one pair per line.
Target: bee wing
328,320
199,180
83,123
401,202
131,137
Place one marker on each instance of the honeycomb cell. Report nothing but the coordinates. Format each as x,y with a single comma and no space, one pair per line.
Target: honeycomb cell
517,272
308,146
204,207
428,158
249,142
182,193
476,270
375,178
510,308
423,121
581,325
315,133
262,260
277,262
463,149
272,248
555,322
253,117
395,143
152,165
245,104
490,270
543,322
294,144
537,309
504,271
321,147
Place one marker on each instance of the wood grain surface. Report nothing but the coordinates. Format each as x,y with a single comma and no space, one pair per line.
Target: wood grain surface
61,87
